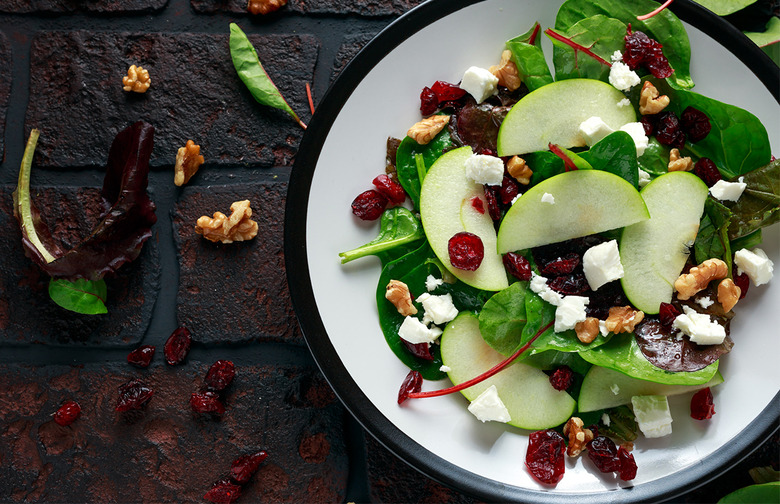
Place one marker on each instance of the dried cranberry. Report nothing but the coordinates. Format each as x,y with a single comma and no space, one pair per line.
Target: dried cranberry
603,452
223,491
641,50
178,346
695,123
411,384
419,350
446,92
706,170
68,413
517,266
544,457
562,378
477,204
648,124
570,285
702,406
561,265
142,356
510,188
466,251
206,402
743,282
133,395
428,101
667,313
668,130
391,189
245,466
369,205
220,375
627,470
492,202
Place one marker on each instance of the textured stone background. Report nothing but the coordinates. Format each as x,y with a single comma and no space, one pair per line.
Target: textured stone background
61,64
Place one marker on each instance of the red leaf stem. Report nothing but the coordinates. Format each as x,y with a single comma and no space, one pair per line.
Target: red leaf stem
567,162
535,33
577,47
657,11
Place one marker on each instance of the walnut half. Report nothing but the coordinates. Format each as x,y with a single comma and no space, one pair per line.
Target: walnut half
506,71
623,319
398,293
423,131
136,80
578,436
238,227
699,277
265,6
188,160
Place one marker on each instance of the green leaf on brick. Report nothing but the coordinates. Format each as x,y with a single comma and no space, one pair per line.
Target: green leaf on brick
80,296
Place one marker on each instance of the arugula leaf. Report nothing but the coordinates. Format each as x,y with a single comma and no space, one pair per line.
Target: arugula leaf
398,226
80,296
529,58
615,153
406,161
254,76
759,205
572,50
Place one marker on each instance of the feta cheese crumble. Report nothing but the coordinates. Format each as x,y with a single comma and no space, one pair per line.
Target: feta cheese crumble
539,286
605,419
699,327
727,191
622,77
431,282
484,169
601,264
414,331
705,302
614,388
548,198
755,263
644,178
569,312
624,103
438,309
489,407
594,129
616,56
637,132
652,415
479,83
445,369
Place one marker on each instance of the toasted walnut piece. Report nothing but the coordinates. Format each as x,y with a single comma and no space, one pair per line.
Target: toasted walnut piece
238,227
728,294
677,163
265,6
506,71
699,277
587,330
649,101
578,436
424,131
188,160
136,80
398,293
623,319
519,170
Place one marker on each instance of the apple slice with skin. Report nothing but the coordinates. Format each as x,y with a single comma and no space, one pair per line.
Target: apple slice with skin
604,388
553,114
446,209
585,202
654,252
525,391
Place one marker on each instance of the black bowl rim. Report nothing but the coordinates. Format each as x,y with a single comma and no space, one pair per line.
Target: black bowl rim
347,390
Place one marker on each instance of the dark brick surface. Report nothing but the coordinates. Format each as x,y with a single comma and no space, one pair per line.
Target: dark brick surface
27,315
62,6
6,65
195,94
349,48
167,453
368,8
236,292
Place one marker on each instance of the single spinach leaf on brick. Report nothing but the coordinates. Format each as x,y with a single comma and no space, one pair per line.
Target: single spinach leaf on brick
254,76
80,296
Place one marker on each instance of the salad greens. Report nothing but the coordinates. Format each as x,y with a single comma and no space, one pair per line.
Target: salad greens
408,166
529,58
80,296
600,35
398,226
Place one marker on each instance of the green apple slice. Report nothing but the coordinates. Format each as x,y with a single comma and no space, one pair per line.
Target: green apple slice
654,252
446,209
585,202
525,391
553,114
604,388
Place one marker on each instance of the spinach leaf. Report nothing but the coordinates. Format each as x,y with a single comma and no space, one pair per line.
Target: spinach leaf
552,359
615,153
406,162
529,58
254,76
712,240
544,164
80,296
655,159
759,205
571,160
665,27
725,7
573,49
503,317
398,226
622,424
750,241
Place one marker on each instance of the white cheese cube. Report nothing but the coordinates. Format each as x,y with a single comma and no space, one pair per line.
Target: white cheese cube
755,263
601,264
438,309
539,286
727,191
548,198
653,415
594,129
484,169
489,407
432,282
414,331
699,327
622,77
569,312
644,178
637,132
479,83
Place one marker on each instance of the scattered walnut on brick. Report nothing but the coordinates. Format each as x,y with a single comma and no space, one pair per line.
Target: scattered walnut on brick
587,330
623,319
188,160
398,293
423,132
578,436
677,163
649,101
518,169
728,294
699,277
265,6
238,227
136,80
506,71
